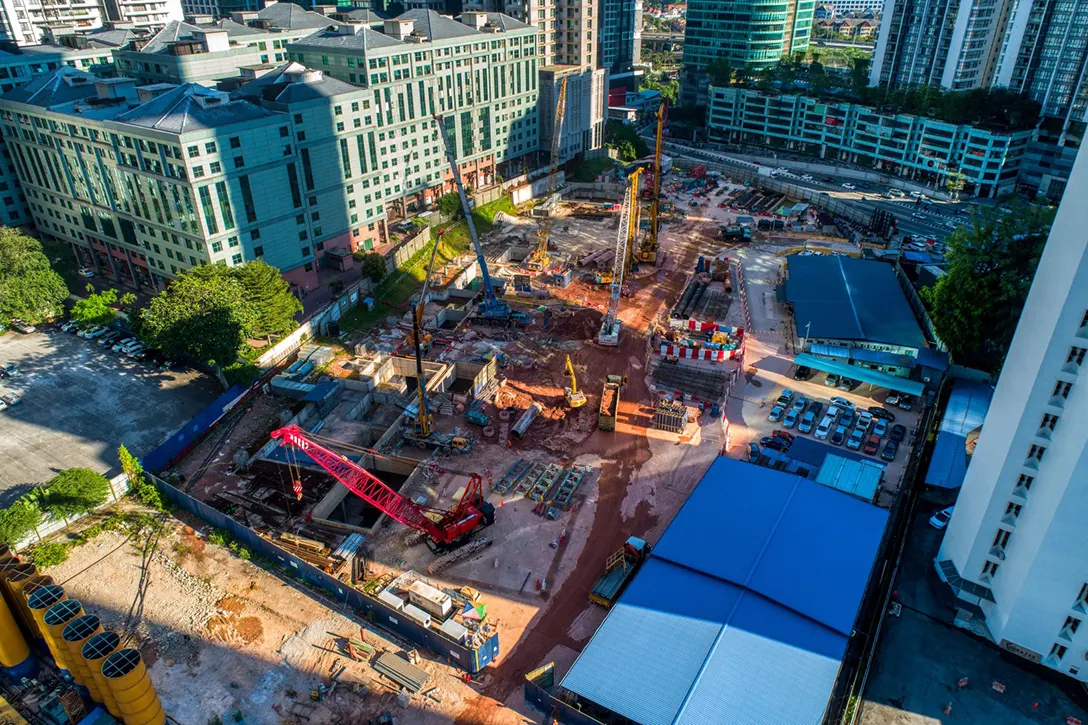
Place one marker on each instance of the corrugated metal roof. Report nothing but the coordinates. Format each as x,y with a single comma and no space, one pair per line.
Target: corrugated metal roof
836,297
857,478
879,357
881,380
722,619
967,406
819,348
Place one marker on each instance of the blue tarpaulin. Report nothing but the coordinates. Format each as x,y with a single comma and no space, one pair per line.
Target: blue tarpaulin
967,406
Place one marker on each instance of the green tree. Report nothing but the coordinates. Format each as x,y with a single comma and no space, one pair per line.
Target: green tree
49,554
203,314
373,266
128,302
720,72
449,205
18,520
75,491
269,296
29,288
991,262
96,308
132,467
625,140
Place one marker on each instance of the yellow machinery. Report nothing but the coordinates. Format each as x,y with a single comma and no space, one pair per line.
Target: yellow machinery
648,251
540,256
575,398
633,219
127,677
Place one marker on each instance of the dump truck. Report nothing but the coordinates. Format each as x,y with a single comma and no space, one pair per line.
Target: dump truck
610,403
619,571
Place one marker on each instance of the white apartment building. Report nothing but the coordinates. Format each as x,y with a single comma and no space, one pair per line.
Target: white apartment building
1016,549
24,21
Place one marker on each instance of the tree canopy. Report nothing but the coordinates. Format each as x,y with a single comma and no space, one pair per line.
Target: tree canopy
18,520
75,491
203,314
669,88
625,140
373,266
96,308
449,205
991,263
267,292
29,288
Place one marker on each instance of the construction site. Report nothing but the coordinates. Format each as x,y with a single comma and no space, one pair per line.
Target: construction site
463,476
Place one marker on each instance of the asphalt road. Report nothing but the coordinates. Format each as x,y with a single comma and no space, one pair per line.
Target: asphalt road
935,218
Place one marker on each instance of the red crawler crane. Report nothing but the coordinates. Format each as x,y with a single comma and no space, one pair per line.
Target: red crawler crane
446,529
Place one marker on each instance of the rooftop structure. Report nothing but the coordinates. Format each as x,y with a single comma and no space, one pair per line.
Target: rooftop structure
839,298
960,425
26,23
746,606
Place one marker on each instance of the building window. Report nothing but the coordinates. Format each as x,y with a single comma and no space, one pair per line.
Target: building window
1025,482
1001,538
1012,510
1036,452
217,247
284,132
235,142
239,162
194,151
1061,389
198,171
258,251
1049,421
210,147
1058,651
305,251
236,259
989,569
214,167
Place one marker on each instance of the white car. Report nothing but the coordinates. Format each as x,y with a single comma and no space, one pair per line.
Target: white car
917,195
807,177
918,215
97,333
127,345
84,272
136,350
865,419
940,519
849,187
824,429
91,331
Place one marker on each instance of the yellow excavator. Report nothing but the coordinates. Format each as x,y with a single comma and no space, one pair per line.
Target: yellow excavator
575,398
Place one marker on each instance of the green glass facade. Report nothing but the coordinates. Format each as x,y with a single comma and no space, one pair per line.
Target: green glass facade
747,33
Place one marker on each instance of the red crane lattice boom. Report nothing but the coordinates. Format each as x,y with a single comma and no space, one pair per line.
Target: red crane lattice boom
450,526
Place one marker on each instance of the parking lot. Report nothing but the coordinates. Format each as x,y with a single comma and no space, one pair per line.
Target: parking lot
921,659
79,402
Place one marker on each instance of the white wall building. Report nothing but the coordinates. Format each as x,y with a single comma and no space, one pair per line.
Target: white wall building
24,21
1016,549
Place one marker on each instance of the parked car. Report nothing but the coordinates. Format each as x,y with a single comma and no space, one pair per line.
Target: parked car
880,427
849,187
940,519
125,344
791,418
87,273
843,403
839,435
784,435
847,418
110,337
890,449
848,384
799,403
802,373
11,369
785,398
906,402
855,439
97,333
90,330
23,327
872,445
806,177
775,444
753,451
892,398
824,429
69,326
808,420
879,412
140,354
11,399
899,432
776,414
865,419
832,380
816,407
137,350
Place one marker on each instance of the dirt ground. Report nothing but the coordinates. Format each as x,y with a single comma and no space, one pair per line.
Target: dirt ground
221,635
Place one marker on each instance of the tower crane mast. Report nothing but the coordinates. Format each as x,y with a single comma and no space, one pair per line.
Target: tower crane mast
648,251
540,257
610,327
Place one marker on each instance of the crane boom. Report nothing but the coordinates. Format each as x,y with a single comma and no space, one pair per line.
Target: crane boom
650,250
424,419
610,327
540,257
471,513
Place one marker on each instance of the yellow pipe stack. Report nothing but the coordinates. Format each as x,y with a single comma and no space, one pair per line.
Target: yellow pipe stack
95,651
56,618
17,579
74,635
13,647
39,602
137,700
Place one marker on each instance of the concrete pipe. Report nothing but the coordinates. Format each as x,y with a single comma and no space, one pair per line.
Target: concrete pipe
526,420
137,700
95,652
74,635
39,603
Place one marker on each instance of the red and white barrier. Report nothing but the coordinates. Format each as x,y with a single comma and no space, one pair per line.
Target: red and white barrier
698,353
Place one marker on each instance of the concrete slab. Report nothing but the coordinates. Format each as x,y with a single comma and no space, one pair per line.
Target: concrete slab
80,402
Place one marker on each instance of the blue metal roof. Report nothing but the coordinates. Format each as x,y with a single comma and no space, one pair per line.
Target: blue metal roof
744,607
865,375
879,357
812,453
835,297
819,348
928,357
967,406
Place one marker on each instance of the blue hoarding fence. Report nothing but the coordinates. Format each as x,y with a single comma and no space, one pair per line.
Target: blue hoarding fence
471,660
173,447
539,686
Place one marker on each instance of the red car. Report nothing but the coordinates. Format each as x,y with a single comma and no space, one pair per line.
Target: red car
871,445
777,433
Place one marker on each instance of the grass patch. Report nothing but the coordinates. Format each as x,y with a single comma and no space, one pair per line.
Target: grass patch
397,288
241,372
589,170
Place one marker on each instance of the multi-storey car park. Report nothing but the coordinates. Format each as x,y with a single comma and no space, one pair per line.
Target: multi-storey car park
917,147
148,182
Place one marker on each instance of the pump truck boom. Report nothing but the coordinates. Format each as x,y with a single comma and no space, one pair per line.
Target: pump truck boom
445,529
492,310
